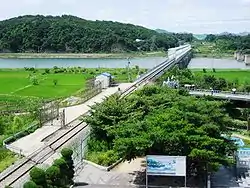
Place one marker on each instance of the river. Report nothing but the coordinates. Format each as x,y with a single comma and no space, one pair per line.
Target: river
148,62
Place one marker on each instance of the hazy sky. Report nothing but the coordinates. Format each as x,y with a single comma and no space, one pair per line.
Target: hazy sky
197,16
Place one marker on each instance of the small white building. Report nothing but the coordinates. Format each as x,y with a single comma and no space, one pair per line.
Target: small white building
105,80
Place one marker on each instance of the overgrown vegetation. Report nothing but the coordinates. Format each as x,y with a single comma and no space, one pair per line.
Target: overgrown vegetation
59,175
71,34
157,120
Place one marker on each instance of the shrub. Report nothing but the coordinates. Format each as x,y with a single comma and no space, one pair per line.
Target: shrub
214,70
47,71
204,70
30,184
67,153
55,81
53,176
103,158
38,176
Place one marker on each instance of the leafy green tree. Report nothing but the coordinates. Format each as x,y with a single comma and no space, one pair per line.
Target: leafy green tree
17,124
157,120
71,34
55,81
53,176
30,184
38,176
63,167
34,80
67,156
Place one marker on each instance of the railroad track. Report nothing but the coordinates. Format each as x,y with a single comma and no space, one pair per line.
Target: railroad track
158,70
21,169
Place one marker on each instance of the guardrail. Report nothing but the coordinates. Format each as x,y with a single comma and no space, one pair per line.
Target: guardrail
220,91
20,134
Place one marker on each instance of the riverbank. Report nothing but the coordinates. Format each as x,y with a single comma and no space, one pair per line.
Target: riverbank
80,55
216,56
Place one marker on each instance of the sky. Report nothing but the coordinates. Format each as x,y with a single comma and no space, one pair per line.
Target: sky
196,16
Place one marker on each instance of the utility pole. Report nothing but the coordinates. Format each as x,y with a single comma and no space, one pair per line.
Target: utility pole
129,76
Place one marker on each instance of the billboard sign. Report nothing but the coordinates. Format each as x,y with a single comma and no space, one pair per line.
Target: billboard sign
243,153
166,165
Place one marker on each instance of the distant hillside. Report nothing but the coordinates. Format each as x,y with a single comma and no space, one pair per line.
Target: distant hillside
76,35
200,36
162,31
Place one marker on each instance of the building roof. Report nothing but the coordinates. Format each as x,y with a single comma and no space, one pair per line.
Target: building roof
106,74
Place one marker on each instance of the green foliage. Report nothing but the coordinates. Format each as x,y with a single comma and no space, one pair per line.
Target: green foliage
67,156
67,153
55,81
105,158
160,121
53,176
34,80
72,34
30,184
38,176
60,174
204,70
17,123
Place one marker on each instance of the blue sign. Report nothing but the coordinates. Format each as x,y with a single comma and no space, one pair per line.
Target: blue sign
166,165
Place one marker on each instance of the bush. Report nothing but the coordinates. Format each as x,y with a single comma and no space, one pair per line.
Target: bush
67,153
53,176
38,176
204,70
214,70
103,158
47,71
30,184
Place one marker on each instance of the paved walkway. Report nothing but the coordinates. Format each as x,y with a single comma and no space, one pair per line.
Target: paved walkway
123,175
34,141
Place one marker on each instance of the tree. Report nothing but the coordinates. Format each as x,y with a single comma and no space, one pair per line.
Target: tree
30,184
38,176
34,80
71,34
159,121
53,176
67,156
63,167
17,124
55,81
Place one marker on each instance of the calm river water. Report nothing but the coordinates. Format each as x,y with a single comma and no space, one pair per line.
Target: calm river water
118,63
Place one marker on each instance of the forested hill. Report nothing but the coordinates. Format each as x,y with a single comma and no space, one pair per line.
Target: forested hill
230,41
73,34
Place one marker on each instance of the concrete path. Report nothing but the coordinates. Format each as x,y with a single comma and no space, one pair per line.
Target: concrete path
123,175
34,141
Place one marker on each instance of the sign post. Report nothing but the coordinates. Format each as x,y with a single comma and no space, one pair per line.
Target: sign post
158,165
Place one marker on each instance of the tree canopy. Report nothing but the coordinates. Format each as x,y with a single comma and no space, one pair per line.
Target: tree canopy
230,41
157,120
73,34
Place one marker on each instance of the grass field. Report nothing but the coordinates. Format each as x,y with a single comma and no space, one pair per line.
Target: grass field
19,81
242,76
